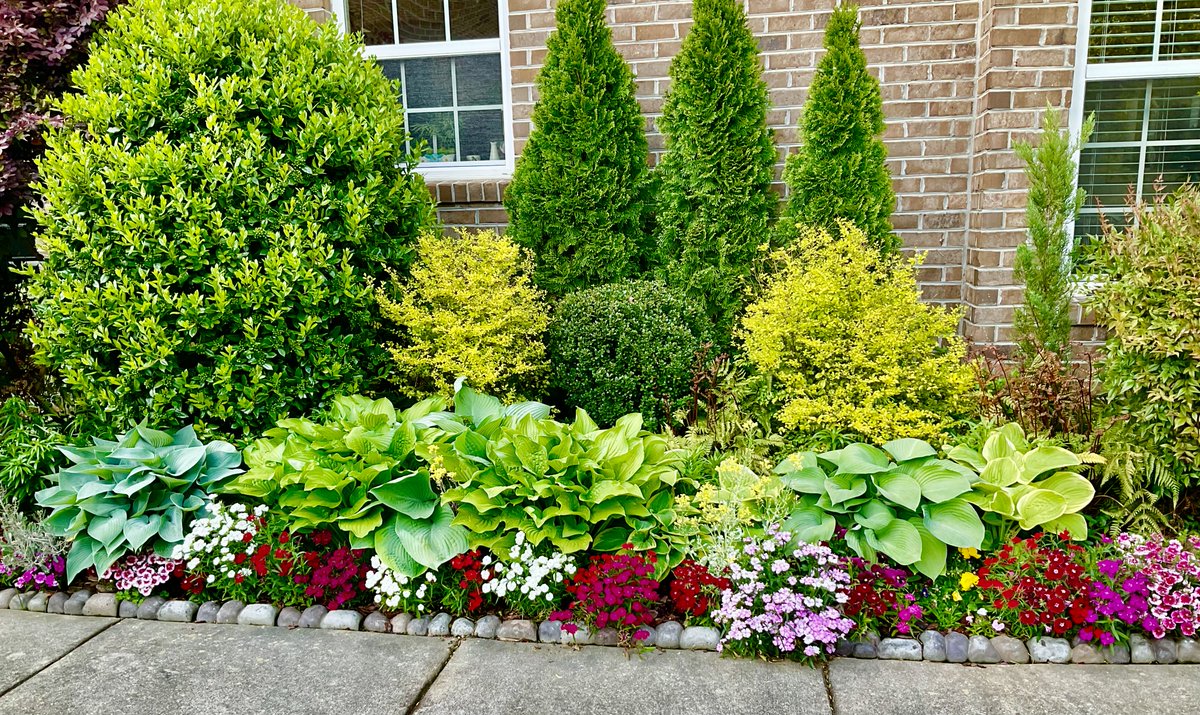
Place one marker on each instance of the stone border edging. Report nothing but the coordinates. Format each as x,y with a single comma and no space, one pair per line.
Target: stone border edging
931,646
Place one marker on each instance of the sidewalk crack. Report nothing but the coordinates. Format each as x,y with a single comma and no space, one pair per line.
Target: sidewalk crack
47,666
828,688
429,683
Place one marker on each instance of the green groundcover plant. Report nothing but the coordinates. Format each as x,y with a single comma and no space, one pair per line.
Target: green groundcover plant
225,187
29,442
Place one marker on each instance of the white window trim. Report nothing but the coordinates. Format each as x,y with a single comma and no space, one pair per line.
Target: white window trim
459,171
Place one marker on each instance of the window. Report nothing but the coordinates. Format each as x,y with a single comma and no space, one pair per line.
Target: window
447,56
1140,74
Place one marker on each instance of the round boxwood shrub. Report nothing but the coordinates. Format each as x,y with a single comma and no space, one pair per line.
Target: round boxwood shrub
228,184
625,347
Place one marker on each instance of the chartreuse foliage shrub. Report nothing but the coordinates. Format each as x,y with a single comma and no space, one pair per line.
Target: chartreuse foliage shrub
468,310
714,198
1025,487
625,347
901,501
579,195
839,171
844,332
1147,282
574,485
225,187
137,492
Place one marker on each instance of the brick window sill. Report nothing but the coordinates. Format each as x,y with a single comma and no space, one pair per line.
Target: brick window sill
468,191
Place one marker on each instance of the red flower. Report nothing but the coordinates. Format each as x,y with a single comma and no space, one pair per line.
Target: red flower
284,537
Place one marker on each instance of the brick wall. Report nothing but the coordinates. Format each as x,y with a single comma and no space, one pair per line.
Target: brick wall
961,80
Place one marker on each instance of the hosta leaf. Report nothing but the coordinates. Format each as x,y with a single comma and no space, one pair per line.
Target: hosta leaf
184,459
1045,459
1073,524
810,524
433,541
363,526
410,495
392,553
532,455
968,456
874,514
80,557
902,450
475,407
107,530
859,459
900,540
939,484
1001,472
841,487
141,529
933,552
612,538
1038,506
899,487
1076,491
801,472
954,522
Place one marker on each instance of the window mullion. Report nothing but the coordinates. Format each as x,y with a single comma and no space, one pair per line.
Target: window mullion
1159,13
1141,175
396,22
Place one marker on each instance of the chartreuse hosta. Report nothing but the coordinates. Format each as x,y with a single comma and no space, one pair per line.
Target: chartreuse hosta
120,496
1026,487
902,501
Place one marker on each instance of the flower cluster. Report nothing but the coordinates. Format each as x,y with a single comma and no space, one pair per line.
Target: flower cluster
47,575
1167,574
532,585
143,573
399,593
879,598
613,590
694,589
466,594
784,599
337,578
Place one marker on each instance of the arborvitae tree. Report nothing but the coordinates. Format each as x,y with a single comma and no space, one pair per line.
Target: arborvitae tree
1044,262
715,200
839,170
578,197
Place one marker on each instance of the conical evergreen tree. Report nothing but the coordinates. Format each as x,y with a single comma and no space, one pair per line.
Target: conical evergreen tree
715,200
839,170
579,193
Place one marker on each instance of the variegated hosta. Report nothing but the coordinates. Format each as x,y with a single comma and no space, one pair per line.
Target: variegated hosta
902,501
1025,487
120,496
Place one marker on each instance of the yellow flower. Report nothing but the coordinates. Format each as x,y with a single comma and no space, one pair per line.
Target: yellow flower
971,553
967,581
956,596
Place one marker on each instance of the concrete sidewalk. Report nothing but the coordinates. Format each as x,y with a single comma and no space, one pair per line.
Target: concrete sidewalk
63,664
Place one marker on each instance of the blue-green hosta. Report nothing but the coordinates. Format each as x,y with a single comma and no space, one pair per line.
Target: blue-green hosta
121,496
902,501
1028,487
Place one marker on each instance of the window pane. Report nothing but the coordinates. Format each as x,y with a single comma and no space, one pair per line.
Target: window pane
1107,173
479,80
427,83
373,18
474,19
1180,31
1119,108
1172,165
436,130
482,135
421,20
1122,30
1175,110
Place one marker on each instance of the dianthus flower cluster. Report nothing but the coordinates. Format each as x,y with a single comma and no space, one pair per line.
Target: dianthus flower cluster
1169,573
47,575
465,595
532,585
879,598
142,573
336,578
694,589
613,591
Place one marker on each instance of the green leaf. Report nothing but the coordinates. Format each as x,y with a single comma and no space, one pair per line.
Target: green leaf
954,522
874,514
802,473
900,488
859,458
476,407
411,495
1045,459
107,530
810,524
1002,472
900,540
966,455
1076,491
841,487
141,529
1038,506
392,553
933,552
432,542
902,450
80,557
1074,524
612,539
939,484
181,461
532,455
363,526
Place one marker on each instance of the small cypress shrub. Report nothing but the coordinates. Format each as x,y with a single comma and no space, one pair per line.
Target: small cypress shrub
578,197
715,200
839,170
468,310
227,185
625,347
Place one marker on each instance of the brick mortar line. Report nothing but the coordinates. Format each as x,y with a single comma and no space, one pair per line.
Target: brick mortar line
46,667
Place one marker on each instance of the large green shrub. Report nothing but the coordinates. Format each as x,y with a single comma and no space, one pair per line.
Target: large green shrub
1147,282
625,347
839,170
578,198
715,200
226,186
29,442
854,350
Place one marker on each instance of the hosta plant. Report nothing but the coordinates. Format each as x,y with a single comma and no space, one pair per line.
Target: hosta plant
901,501
1026,487
136,492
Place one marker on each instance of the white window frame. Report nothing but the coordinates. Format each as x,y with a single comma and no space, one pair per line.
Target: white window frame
459,170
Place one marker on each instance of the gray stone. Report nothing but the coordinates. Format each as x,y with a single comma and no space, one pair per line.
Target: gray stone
179,612
207,613
1189,651
899,649
229,612
376,622
933,646
550,631
31,641
288,617
651,636
844,648
957,648
74,604
1010,650
1139,649
6,596
101,604
418,627
312,616
37,602
700,638
519,630
980,650
607,636
1049,650
127,609
1116,654
486,627
1087,654
400,623
439,625
56,603
867,645
668,634
581,636
341,620
258,614
148,611
1165,650
18,602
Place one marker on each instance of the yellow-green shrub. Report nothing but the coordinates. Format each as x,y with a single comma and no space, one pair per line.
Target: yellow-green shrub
468,310
845,333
